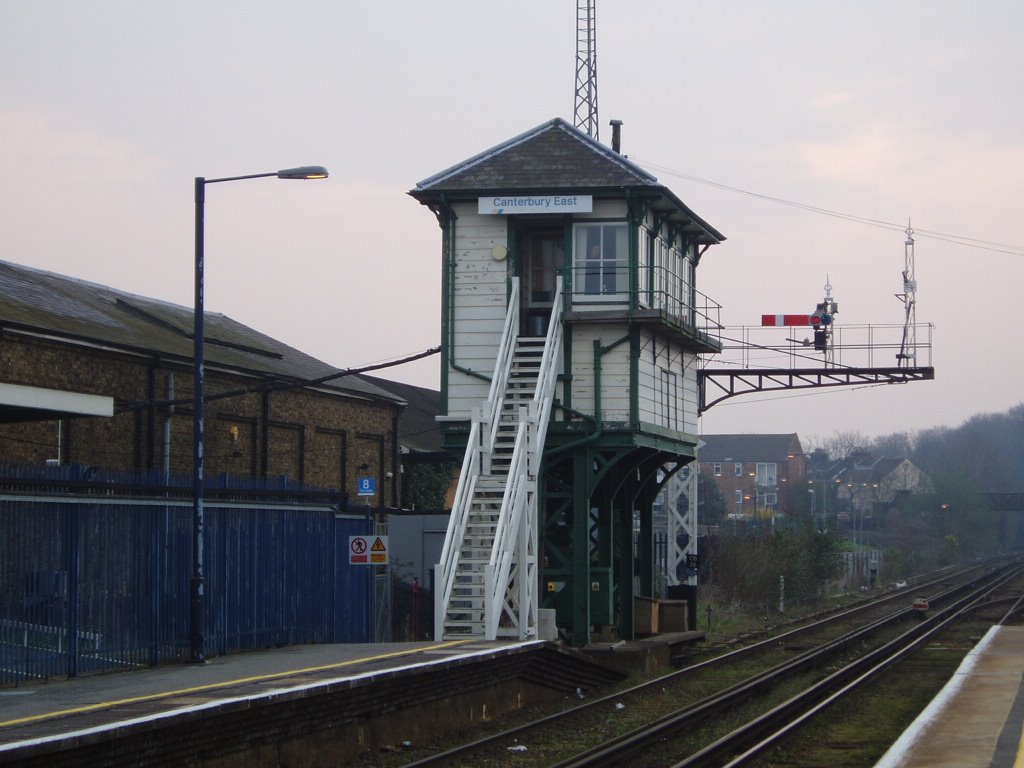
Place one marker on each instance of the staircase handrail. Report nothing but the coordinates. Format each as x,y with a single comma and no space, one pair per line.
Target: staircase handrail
530,438
544,393
478,445
513,505
502,367
456,532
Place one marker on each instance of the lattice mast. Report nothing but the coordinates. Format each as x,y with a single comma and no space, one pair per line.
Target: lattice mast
907,356
586,67
822,319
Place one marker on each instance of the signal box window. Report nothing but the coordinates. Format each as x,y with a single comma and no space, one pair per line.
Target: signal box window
601,256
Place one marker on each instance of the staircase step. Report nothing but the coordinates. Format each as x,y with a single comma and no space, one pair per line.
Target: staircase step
462,630
464,603
464,613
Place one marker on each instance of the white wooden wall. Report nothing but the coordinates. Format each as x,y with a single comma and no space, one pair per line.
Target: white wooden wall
480,295
615,382
614,372
656,353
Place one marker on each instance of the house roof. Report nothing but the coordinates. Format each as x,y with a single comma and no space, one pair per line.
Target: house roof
865,468
749,447
557,156
74,310
418,430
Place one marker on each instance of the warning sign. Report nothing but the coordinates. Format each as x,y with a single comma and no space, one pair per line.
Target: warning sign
368,550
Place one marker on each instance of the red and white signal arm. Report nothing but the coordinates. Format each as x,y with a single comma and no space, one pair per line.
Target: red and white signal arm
787,321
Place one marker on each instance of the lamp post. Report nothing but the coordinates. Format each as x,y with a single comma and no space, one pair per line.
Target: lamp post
197,582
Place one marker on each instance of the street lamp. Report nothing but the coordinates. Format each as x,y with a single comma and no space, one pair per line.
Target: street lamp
196,583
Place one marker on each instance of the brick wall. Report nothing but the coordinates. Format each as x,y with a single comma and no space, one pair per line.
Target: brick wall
311,436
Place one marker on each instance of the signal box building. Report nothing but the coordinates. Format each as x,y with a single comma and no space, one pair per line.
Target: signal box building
572,326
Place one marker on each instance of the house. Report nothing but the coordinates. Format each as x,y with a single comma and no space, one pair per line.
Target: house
759,476
863,483
94,376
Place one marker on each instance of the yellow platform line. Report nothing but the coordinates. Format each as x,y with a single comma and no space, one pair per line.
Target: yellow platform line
224,684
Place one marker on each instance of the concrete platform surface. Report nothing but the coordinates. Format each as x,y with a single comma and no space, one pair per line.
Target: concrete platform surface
56,709
977,720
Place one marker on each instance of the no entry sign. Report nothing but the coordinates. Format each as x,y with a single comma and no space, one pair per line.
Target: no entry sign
368,550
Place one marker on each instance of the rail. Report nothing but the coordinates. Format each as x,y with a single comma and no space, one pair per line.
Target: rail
851,346
657,289
456,530
511,523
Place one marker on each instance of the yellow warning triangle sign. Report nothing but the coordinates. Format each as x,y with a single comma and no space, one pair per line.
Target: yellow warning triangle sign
378,546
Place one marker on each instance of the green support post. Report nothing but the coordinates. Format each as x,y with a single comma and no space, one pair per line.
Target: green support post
581,548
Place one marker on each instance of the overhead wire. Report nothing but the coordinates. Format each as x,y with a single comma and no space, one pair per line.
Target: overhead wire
964,240
278,384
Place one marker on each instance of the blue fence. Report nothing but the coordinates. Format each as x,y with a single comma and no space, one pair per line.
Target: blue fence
95,569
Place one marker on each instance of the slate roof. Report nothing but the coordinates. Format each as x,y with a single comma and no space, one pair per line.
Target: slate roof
45,302
418,430
749,447
557,156
865,468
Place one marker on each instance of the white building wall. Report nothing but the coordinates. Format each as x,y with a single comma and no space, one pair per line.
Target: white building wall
480,296
691,395
604,209
479,305
657,354
614,373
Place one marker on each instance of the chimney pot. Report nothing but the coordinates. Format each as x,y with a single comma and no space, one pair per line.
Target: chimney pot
616,136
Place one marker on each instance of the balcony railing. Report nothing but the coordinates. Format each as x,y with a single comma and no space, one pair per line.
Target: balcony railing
655,289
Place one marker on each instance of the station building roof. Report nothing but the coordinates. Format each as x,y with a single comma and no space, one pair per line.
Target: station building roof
71,310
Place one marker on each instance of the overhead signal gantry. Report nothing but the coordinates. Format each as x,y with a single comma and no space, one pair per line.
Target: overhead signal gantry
848,354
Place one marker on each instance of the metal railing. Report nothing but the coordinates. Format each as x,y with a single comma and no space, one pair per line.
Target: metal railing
511,520
850,346
482,435
661,291
512,596
95,579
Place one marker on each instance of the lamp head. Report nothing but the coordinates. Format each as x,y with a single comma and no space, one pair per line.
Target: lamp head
304,172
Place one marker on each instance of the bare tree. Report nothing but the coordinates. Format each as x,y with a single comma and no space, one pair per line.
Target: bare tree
840,445
895,445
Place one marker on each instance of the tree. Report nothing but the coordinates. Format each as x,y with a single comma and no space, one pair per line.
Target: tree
894,445
749,566
839,446
711,503
425,485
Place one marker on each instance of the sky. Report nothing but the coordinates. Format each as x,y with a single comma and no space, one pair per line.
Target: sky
809,133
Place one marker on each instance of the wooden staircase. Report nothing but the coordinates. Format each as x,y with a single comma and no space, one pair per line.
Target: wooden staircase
465,615
488,574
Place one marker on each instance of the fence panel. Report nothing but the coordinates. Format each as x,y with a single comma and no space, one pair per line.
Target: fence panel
93,583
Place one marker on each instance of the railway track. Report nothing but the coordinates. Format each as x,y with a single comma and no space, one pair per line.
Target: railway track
736,706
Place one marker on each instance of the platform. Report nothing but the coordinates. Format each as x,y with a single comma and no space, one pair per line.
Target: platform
977,720
275,707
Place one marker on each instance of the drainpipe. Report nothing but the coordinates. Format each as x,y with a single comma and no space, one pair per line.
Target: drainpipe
167,426
264,433
599,352
396,461
448,335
